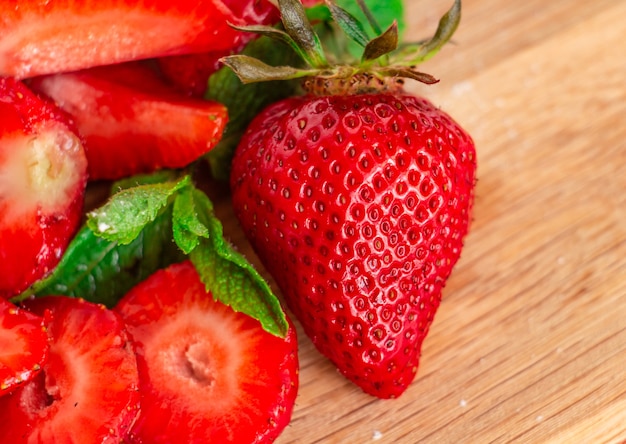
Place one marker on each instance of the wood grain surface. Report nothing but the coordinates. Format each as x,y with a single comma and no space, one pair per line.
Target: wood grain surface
529,344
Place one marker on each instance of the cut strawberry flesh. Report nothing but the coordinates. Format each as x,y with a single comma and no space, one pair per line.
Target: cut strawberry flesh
43,173
49,37
190,72
206,372
132,122
23,345
87,389
39,170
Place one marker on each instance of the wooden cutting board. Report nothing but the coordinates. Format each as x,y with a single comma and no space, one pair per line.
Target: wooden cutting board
529,344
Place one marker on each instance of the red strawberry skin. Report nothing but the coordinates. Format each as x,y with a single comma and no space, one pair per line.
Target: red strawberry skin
358,206
39,37
132,121
43,173
23,345
87,389
207,373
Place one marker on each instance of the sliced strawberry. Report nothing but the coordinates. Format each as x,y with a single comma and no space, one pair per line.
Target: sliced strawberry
190,72
43,172
132,122
23,345
45,37
87,390
206,372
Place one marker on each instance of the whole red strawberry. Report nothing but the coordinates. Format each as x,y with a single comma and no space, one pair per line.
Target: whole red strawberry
357,197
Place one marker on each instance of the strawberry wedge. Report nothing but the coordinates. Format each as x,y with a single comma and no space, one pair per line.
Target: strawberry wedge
132,121
206,372
43,173
45,37
23,345
87,389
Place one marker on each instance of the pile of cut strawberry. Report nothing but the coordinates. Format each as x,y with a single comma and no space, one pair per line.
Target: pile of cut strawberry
134,319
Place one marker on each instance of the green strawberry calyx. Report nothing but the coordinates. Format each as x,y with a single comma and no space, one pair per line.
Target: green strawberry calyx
383,64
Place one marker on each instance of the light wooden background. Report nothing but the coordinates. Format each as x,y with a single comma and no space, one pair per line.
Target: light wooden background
529,344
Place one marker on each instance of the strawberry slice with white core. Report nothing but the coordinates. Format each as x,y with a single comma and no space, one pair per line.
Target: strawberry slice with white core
39,170
23,345
43,173
45,37
132,121
87,390
206,372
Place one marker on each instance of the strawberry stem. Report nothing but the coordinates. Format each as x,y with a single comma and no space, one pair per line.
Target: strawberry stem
380,59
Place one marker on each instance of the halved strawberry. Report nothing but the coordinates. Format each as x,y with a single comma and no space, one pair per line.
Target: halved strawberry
45,37
207,373
132,121
43,172
87,390
23,345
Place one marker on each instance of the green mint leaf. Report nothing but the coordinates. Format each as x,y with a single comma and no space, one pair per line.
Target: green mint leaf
102,271
126,213
186,225
230,277
178,223
246,101
160,176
